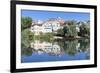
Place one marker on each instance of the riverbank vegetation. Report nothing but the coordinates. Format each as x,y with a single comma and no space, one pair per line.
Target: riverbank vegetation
26,34
48,37
67,31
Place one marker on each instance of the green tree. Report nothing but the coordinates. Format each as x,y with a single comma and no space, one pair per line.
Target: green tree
85,29
60,32
25,22
66,30
26,38
70,28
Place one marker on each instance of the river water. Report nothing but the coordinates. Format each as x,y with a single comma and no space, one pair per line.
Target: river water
57,50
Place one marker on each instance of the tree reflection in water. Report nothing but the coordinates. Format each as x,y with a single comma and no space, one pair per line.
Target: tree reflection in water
58,47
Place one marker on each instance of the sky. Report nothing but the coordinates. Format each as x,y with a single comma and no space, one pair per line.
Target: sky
45,15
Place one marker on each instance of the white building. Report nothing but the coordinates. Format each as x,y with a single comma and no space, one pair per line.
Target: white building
37,29
51,25
45,27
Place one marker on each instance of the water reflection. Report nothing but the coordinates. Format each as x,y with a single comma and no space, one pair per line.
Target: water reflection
57,50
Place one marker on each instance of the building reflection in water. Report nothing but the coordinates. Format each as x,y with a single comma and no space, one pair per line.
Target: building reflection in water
58,48
46,47
70,47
